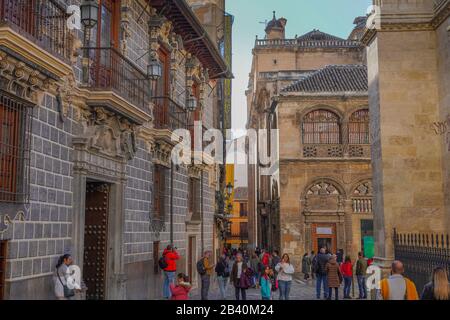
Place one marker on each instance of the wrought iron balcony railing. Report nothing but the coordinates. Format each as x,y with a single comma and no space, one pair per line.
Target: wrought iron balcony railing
109,70
169,114
43,22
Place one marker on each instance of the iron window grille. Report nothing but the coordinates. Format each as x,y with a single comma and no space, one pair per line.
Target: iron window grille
15,144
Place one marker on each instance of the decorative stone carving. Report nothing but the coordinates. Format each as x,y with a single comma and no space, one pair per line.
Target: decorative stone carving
107,133
363,189
156,226
22,80
64,96
161,152
125,26
323,189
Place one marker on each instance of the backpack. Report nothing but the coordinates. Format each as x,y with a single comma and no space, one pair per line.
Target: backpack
201,267
162,263
274,283
315,265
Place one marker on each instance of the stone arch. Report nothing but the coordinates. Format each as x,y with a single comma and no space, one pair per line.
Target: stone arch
324,195
301,115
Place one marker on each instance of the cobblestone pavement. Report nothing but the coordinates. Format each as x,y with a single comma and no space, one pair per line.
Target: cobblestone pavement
300,290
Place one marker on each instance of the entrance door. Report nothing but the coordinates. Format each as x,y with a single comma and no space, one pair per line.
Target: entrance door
191,258
95,239
324,236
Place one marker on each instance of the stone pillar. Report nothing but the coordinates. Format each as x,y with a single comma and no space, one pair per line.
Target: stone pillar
349,241
403,98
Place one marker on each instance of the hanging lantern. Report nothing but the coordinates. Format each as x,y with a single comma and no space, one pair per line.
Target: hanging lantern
89,13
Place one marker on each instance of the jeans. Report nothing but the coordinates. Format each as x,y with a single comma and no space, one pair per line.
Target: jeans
205,286
330,293
242,291
285,288
265,298
347,286
321,279
222,287
169,277
362,287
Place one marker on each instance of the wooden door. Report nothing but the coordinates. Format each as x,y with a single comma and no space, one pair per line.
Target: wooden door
95,240
324,234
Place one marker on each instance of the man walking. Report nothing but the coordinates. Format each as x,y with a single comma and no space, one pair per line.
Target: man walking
321,273
171,256
205,269
361,271
312,258
396,286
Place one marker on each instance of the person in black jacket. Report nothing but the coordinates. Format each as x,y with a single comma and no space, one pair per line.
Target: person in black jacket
319,266
438,288
223,274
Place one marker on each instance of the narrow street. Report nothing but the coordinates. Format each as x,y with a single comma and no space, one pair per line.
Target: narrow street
300,290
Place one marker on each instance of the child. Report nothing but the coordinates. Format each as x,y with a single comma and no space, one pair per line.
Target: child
181,290
266,283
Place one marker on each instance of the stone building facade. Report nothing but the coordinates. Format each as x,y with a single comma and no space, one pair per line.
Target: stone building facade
409,81
317,191
86,144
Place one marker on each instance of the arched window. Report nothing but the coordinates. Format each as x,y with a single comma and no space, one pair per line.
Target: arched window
358,127
321,127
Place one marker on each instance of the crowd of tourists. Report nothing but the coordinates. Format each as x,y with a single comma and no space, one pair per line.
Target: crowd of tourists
273,275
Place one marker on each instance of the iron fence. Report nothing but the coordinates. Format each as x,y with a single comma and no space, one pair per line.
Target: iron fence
421,253
169,114
42,21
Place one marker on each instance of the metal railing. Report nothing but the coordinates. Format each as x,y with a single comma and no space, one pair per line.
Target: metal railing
420,254
44,22
109,70
169,114
261,43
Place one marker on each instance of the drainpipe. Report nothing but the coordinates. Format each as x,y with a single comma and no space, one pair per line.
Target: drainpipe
171,203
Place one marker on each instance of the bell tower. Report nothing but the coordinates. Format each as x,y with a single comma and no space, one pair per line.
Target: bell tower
275,29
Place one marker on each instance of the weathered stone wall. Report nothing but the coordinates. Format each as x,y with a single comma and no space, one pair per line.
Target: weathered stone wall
407,162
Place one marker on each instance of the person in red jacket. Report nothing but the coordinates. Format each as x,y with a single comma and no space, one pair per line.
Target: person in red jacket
266,259
347,273
180,291
171,256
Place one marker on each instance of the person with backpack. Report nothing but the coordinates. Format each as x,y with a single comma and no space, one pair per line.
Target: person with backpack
266,284
319,265
180,291
205,268
238,277
223,274
168,262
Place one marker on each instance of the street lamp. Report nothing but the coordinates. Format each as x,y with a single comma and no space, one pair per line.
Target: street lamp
89,13
154,69
191,103
229,189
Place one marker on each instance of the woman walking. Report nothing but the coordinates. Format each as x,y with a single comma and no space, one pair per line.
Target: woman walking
334,277
239,278
255,266
285,272
438,288
347,273
306,266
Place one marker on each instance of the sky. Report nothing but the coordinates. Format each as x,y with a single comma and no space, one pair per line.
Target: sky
331,16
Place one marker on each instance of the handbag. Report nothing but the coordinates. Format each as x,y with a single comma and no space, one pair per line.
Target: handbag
68,293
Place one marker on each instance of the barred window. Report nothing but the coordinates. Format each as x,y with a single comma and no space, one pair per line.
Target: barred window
15,137
358,127
321,127
159,192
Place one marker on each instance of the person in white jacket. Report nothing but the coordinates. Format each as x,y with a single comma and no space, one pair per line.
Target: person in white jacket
285,272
